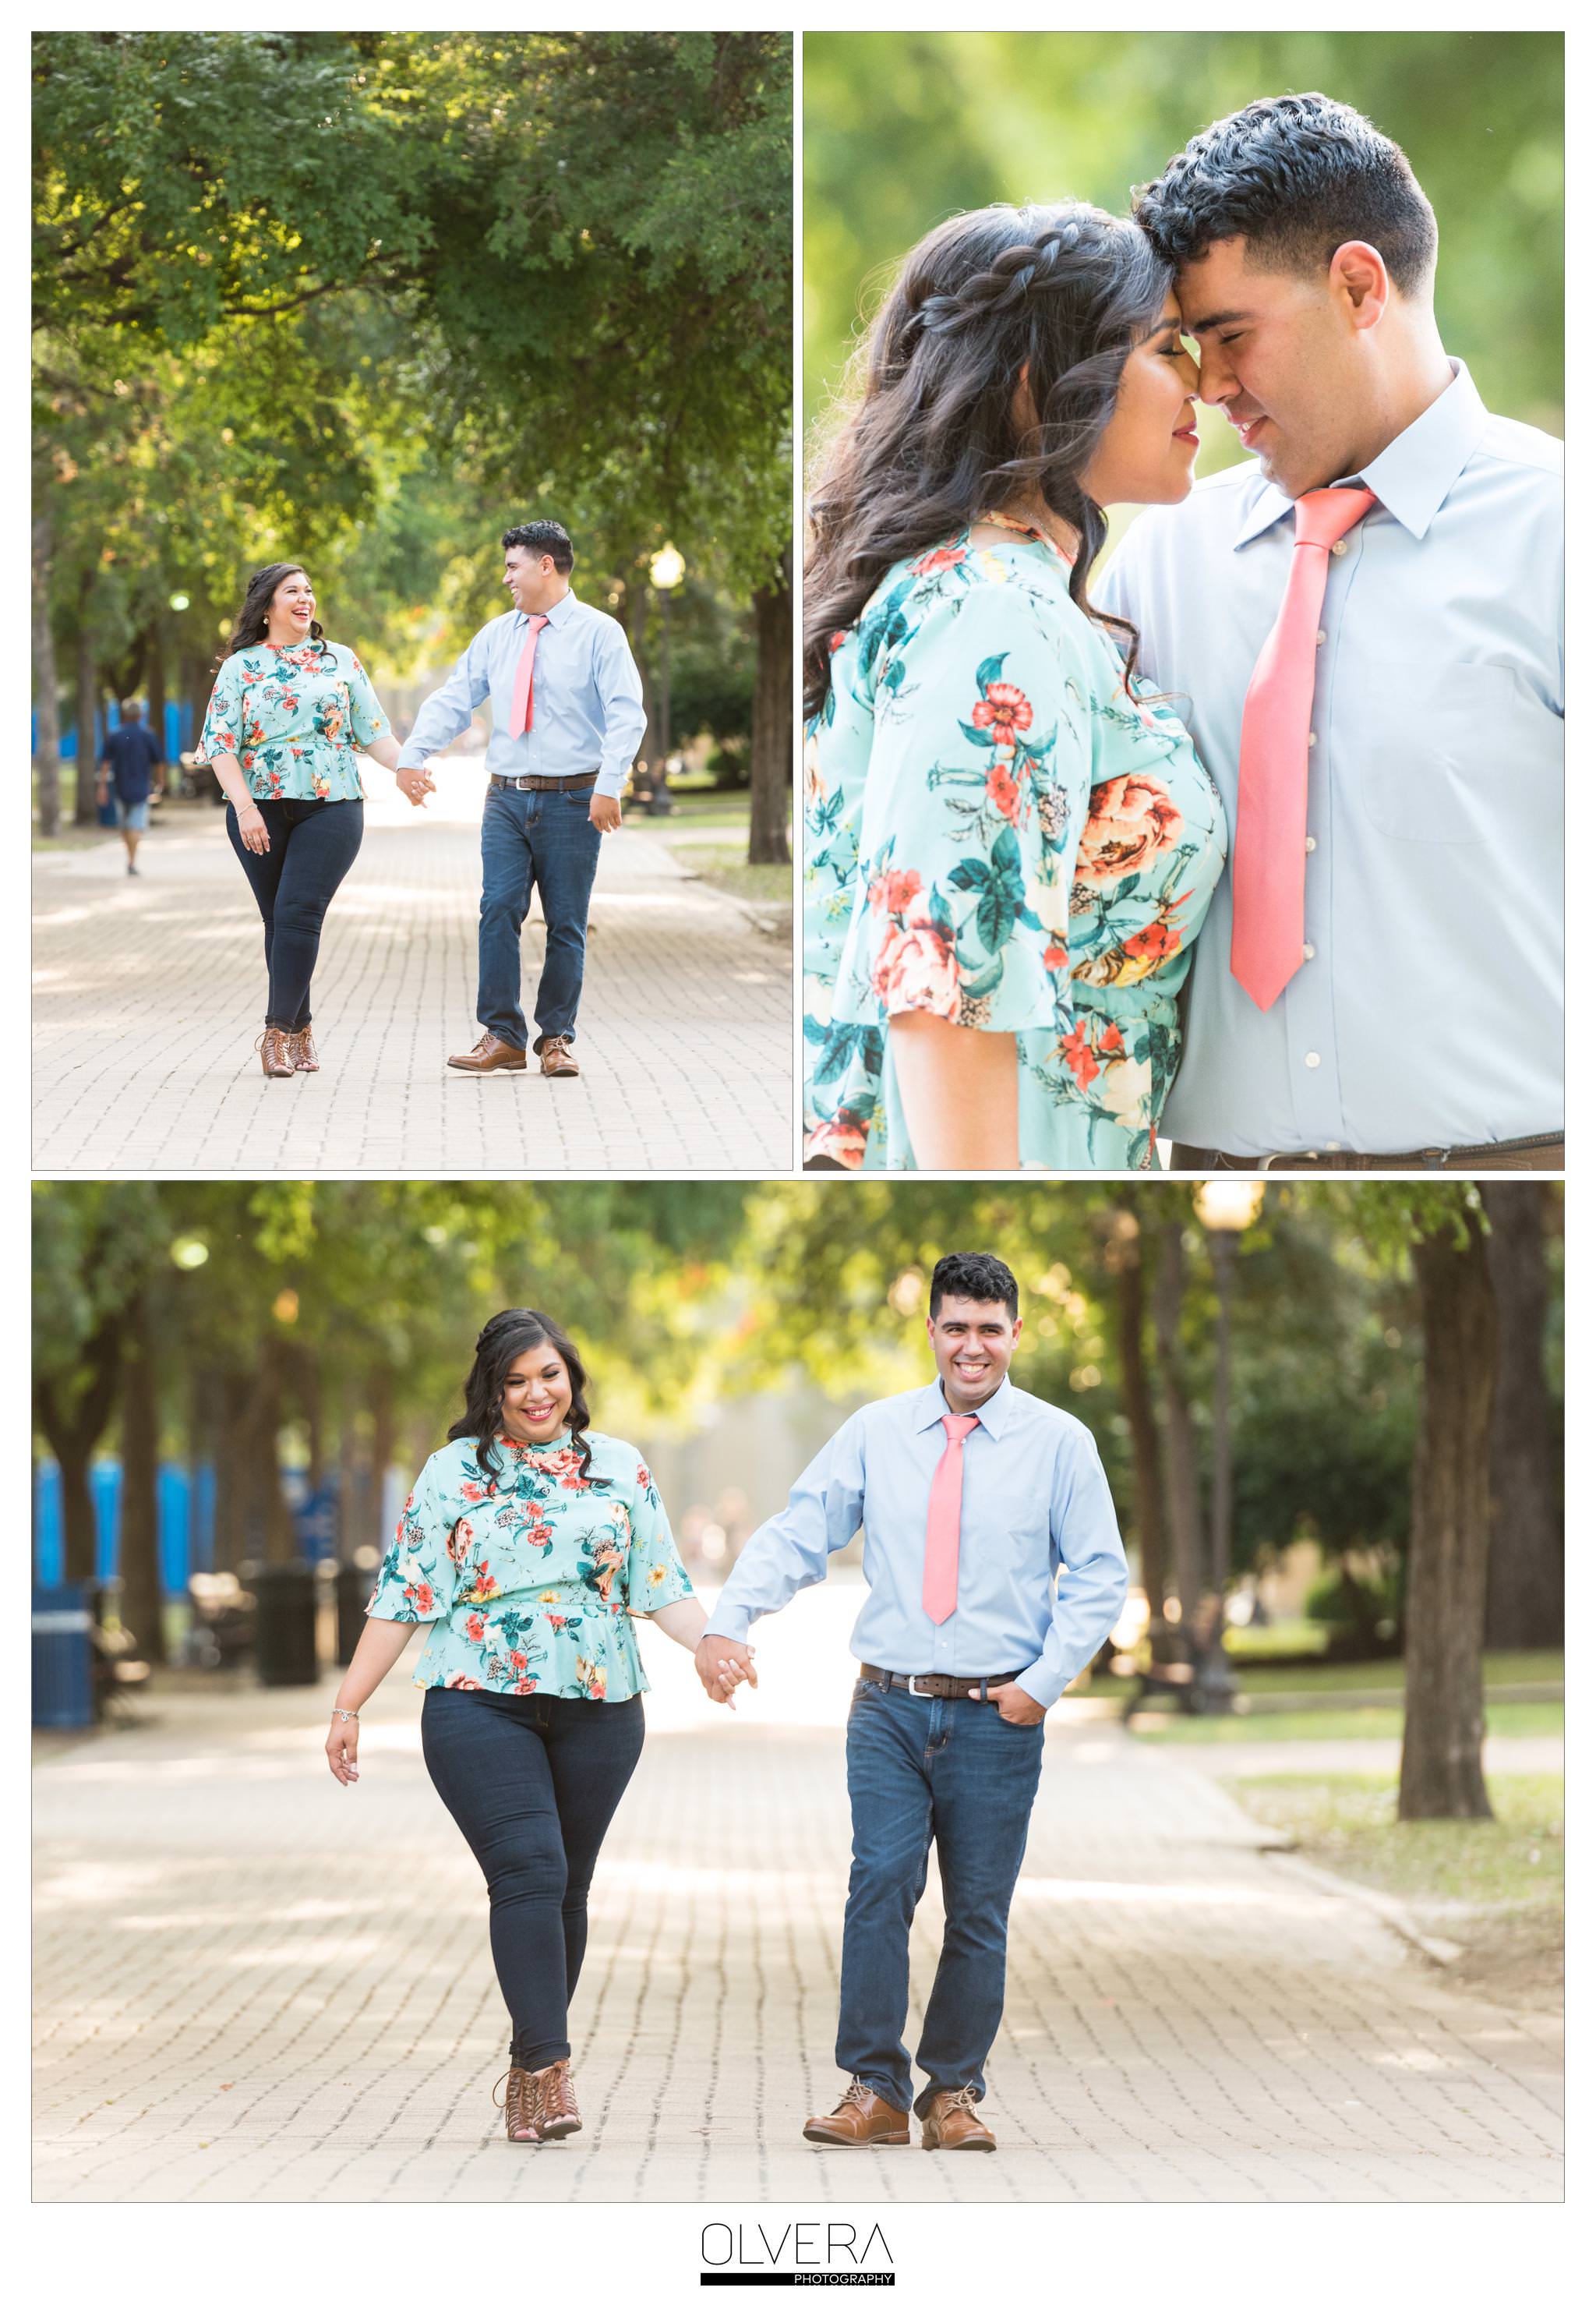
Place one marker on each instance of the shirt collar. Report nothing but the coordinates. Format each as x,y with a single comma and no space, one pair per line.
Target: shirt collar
931,1406
1414,475
561,611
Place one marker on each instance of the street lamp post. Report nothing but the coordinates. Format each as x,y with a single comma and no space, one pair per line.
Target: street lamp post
1224,1208
665,572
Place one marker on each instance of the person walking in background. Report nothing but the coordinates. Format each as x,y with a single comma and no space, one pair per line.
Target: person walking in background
288,716
567,723
1366,615
129,759
971,1494
526,1544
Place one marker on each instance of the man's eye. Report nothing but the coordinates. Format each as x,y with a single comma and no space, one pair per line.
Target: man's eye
1230,339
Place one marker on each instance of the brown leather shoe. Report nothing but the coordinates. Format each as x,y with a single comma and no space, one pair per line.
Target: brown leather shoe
302,1049
520,2103
556,1058
862,2119
950,2121
555,2095
489,1053
273,1049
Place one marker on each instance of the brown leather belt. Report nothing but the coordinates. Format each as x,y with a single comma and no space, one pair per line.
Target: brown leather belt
1533,1152
544,781
935,1687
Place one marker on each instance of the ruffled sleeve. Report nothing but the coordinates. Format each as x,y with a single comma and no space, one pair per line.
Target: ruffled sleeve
222,734
368,722
979,776
415,1582
655,1574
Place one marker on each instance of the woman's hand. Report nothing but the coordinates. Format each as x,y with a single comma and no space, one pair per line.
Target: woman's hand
416,783
253,829
343,1750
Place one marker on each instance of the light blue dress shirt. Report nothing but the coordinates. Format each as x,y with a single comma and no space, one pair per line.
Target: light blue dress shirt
1034,1498
587,698
1429,1012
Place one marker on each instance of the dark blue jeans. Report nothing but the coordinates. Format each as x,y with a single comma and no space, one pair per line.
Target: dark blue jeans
314,842
532,1784
542,838
923,1771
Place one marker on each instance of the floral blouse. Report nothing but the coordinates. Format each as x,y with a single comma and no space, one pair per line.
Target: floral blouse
294,717
527,1575
999,831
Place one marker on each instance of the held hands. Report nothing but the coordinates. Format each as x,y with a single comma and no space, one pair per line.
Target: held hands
1013,1705
252,830
417,782
343,1746
722,1666
605,815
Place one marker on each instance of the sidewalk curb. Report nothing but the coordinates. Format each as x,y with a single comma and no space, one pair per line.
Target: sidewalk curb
1391,1911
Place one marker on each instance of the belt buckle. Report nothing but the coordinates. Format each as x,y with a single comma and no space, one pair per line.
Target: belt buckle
1287,1157
911,1681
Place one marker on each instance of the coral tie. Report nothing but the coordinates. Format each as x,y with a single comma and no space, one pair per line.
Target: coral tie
1269,864
939,1593
520,709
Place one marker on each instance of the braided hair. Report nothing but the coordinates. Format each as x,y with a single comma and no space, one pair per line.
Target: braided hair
929,440
250,626
502,1339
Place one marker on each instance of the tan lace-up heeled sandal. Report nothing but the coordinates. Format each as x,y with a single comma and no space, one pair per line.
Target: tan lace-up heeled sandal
520,2103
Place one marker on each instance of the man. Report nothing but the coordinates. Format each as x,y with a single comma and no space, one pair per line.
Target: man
128,758
1366,618
971,1494
568,721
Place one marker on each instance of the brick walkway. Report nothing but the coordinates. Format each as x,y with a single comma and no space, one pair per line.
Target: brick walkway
252,1985
148,994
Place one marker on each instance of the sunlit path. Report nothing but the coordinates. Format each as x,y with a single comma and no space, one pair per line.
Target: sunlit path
148,994
250,1984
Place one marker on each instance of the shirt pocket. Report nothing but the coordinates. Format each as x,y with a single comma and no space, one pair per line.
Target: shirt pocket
1461,757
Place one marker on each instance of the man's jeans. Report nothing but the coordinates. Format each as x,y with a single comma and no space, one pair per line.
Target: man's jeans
919,1769
542,838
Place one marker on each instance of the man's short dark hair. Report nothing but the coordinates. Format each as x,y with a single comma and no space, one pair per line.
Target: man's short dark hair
1296,176
974,1277
545,538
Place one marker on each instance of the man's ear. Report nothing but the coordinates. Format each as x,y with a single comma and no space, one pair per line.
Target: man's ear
1359,281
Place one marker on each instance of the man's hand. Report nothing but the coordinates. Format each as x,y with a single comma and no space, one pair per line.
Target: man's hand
605,815
722,1664
417,782
1013,1705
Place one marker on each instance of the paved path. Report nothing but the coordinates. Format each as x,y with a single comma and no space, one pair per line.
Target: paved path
148,994
253,1985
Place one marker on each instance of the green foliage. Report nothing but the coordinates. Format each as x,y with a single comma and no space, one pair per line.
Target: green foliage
901,130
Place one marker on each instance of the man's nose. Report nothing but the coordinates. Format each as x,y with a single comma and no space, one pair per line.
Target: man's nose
1216,383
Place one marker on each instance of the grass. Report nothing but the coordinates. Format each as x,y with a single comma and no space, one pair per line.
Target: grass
1388,1675
722,867
1507,1720
1493,1886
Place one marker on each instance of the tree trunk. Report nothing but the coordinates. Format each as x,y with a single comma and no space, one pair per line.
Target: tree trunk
1523,1586
1181,1460
384,1433
1442,1773
234,1401
140,1561
155,683
84,812
771,748
46,757
1136,1391
280,1535
73,1425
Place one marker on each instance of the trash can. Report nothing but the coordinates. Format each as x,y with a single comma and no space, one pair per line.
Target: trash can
354,1593
63,1658
284,1622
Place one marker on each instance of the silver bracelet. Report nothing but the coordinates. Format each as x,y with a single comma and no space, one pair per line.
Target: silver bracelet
349,1714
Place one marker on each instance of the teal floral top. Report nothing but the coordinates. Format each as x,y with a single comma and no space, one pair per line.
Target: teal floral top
999,831
295,718
527,1575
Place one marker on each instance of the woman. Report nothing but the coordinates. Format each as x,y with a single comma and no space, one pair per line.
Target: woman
286,717
1010,841
526,1544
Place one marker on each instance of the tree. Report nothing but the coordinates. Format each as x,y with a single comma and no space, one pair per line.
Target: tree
1524,1598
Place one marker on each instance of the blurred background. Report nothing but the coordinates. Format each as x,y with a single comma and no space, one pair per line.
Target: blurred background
368,297
901,130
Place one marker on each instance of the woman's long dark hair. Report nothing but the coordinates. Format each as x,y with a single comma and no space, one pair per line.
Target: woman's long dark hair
929,441
502,1339
250,627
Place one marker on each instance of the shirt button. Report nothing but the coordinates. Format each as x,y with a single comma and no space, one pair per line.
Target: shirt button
1312,842
1319,638
1337,549
1311,1060
1309,950
1312,741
